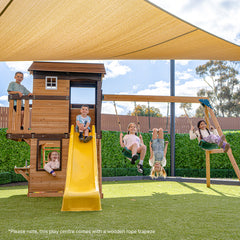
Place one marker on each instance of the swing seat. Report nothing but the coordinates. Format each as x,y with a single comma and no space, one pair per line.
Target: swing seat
128,153
207,146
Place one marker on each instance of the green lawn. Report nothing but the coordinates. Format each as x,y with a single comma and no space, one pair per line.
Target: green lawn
131,210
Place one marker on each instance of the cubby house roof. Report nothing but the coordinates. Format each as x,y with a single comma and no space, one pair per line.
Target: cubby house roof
67,67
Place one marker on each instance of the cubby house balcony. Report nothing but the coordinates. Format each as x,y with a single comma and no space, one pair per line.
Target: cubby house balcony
46,117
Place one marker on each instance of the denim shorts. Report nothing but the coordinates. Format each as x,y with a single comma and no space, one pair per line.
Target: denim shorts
158,149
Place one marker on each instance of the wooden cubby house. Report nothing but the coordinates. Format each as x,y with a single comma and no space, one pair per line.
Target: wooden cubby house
48,116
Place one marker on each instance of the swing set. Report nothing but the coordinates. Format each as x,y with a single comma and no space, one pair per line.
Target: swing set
126,152
207,147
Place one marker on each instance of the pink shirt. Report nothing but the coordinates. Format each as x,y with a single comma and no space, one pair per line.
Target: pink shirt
130,139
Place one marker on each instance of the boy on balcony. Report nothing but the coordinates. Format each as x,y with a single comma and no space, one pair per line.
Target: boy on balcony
17,88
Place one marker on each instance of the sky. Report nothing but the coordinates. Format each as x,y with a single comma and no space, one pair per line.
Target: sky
150,77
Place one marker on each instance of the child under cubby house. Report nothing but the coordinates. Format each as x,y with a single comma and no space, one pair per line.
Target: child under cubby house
52,115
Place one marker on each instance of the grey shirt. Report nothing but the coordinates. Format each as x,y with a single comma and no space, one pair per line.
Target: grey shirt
13,86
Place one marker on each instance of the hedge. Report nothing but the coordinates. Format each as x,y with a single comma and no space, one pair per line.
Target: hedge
188,155
190,159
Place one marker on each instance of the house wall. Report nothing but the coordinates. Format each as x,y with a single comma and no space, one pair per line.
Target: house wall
41,182
50,116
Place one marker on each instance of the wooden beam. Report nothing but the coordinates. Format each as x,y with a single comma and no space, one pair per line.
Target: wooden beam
37,97
24,171
38,136
207,117
143,98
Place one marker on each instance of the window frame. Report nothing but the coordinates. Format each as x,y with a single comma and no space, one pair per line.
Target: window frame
51,87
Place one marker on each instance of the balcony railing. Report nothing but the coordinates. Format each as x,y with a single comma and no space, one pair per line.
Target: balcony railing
14,117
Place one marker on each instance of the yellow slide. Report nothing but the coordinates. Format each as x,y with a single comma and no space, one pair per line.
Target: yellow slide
81,188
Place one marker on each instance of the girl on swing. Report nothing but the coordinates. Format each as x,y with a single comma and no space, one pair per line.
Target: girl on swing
135,144
210,136
158,154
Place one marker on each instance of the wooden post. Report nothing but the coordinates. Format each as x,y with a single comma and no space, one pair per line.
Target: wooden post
10,117
207,117
18,117
26,117
207,168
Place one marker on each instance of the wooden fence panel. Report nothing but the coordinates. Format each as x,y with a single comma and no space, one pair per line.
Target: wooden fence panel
109,122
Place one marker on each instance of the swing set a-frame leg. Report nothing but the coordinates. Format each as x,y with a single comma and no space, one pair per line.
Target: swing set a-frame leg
229,153
207,153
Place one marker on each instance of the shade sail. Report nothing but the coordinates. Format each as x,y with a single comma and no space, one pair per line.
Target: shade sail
93,29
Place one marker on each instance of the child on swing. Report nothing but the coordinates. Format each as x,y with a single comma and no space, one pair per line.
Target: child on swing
210,136
135,144
158,154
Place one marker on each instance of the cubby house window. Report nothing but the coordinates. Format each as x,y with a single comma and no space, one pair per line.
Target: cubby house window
44,149
51,82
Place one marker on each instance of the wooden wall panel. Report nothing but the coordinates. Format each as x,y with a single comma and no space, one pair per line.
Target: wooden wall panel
75,112
41,181
62,88
50,116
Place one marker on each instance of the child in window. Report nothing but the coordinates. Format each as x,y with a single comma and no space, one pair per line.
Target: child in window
82,124
210,136
53,163
135,144
158,154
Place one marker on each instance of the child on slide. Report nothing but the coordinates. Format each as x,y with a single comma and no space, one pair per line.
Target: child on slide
135,144
158,154
82,124
210,136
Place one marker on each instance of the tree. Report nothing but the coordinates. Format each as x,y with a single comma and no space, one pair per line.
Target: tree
186,107
142,110
221,77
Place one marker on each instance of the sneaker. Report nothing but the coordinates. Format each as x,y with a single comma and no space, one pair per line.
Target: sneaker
87,139
140,168
81,137
222,139
227,146
134,158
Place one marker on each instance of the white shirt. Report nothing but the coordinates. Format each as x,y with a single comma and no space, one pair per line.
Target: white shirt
52,165
152,161
130,139
204,133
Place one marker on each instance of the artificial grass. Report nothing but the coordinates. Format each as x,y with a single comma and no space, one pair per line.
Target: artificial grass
131,210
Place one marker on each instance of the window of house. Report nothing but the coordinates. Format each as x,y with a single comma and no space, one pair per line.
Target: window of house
51,82
44,148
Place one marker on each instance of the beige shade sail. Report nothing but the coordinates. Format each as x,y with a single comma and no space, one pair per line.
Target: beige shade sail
102,29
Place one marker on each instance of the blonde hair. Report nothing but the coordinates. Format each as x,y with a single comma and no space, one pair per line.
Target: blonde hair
156,174
50,154
131,123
